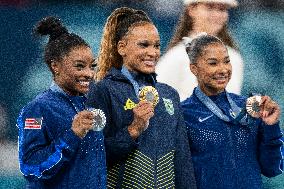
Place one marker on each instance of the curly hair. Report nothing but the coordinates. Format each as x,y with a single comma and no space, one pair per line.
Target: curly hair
60,42
184,25
117,26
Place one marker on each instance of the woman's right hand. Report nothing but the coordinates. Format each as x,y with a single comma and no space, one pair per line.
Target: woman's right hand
82,123
142,114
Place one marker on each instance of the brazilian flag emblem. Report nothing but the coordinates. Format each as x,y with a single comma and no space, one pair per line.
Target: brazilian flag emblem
169,106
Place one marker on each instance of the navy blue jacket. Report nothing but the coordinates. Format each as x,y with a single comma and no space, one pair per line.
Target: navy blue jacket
229,155
160,156
50,154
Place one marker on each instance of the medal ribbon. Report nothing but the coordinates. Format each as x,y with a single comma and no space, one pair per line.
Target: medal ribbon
55,88
134,83
214,108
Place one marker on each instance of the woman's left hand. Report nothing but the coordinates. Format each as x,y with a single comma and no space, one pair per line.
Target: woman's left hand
269,110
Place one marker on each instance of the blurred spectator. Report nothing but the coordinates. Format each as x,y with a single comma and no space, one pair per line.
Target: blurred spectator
210,16
8,149
3,123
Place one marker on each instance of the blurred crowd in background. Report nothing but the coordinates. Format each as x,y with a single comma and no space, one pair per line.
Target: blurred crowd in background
256,25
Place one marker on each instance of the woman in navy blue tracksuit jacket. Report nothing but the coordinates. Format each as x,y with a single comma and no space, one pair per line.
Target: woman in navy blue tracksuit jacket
146,145
57,146
230,148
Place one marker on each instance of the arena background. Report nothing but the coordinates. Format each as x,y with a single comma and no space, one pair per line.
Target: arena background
257,27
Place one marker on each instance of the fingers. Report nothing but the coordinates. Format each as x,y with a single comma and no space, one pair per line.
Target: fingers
270,110
268,106
85,119
142,114
144,110
82,123
86,115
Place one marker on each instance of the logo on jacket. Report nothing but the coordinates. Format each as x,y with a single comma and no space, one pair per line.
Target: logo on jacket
129,105
33,123
204,119
169,106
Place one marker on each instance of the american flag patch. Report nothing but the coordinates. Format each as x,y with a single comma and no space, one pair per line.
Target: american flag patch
33,123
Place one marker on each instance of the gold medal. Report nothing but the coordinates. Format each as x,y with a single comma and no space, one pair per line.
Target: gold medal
253,106
99,119
149,94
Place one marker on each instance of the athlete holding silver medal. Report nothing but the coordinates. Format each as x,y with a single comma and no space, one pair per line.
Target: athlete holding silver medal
233,140
60,142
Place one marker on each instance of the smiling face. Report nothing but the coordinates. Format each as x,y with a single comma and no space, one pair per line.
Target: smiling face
74,73
212,69
208,17
140,48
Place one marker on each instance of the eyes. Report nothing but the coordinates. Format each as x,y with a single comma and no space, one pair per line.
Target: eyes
214,62
146,44
80,65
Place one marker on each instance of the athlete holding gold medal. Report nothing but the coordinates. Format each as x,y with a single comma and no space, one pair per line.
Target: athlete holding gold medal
145,134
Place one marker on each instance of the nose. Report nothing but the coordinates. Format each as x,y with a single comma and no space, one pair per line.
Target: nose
89,73
153,52
225,68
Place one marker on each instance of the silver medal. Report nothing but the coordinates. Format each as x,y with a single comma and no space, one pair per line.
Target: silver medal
99,119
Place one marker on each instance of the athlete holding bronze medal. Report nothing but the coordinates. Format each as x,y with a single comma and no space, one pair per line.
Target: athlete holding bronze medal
145,134
233,139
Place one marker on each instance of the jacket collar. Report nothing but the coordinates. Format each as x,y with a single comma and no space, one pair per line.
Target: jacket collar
116,74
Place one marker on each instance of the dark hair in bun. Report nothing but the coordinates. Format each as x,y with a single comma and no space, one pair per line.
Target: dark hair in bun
60,43
51,26
195,46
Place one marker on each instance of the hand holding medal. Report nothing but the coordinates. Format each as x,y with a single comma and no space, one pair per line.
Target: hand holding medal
99,120
263,107
82,123
143,111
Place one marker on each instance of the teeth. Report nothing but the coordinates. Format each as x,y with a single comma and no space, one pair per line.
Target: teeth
150,63
221,77
84,83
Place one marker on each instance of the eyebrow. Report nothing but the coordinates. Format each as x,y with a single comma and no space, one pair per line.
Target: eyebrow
148,41
81,61
216,58
212,59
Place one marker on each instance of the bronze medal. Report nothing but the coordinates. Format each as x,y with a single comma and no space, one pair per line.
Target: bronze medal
253,106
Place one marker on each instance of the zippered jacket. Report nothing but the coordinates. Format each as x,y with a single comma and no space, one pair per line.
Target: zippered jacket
160,156
230,154
50,154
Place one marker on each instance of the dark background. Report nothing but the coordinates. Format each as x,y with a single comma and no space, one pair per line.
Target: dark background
257,27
